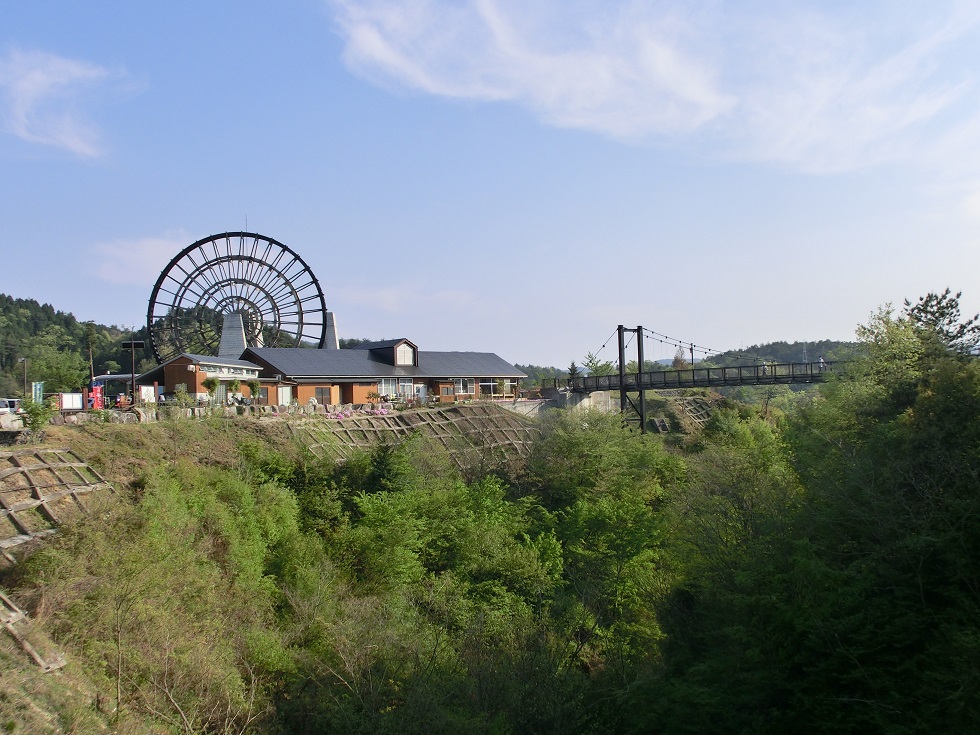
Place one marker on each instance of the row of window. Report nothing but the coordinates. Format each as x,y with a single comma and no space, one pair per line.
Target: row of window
460,387
405,387
225,370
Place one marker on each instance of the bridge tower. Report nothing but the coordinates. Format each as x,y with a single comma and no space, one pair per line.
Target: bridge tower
624,400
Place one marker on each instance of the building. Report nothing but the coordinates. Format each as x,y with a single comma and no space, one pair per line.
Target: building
187,372
395,369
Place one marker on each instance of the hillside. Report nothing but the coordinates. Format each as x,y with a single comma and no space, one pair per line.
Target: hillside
61,350
812,570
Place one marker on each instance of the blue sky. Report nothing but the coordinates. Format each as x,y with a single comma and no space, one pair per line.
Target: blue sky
509,176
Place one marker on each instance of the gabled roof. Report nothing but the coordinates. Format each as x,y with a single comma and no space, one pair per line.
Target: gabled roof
299,363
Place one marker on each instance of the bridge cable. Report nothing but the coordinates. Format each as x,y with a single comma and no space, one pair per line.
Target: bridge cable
614,333
681,344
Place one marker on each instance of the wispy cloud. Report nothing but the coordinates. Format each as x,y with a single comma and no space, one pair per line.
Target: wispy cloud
623,74
40,98
138,261
815,87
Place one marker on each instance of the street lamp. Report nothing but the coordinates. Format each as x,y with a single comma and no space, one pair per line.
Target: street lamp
24,360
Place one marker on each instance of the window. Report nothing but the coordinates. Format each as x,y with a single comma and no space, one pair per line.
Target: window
463,386
406,387
323,396
447,390
387,387
405,355
496,386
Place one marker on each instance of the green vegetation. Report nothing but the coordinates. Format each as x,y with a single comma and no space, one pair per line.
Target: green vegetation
813,571
783,352
538,376
37,415
61,351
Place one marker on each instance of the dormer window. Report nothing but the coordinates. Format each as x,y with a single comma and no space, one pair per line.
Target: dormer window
405,354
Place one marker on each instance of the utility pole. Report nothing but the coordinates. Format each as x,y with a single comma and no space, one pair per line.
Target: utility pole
132,346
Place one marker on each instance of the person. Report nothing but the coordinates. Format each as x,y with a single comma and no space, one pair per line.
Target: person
821,365
765,368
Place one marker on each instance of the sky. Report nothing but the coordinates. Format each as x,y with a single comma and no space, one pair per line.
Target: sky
508,176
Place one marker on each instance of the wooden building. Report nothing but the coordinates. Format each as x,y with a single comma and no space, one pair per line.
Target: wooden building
395,369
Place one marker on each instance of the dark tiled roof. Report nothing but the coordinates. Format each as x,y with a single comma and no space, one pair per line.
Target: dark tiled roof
297,362
380,345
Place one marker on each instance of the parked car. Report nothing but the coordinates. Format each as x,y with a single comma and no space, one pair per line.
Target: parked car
10,405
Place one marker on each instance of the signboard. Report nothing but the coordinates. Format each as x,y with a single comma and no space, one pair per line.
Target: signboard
37,392
96,397
70,401
147,394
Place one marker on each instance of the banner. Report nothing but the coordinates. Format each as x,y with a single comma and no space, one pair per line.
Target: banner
37,392
96,399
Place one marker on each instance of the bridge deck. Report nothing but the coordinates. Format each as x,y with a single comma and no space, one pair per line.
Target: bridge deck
713,377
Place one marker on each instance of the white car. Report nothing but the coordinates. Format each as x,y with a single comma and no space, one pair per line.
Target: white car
10,405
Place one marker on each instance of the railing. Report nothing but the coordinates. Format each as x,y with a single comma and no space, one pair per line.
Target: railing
712,377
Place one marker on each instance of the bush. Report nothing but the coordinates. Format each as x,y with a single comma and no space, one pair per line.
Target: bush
37,415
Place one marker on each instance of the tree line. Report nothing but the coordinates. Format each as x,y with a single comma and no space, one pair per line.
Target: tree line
61,351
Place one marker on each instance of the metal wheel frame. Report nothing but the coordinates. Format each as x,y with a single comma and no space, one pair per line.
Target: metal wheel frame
267,282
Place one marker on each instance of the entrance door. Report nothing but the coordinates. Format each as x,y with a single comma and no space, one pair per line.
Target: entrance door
285,395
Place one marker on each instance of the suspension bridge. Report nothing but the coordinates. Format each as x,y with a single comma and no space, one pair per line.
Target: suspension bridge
708,377
627,383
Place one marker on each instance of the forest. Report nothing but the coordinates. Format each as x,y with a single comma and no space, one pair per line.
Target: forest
60,351
807,570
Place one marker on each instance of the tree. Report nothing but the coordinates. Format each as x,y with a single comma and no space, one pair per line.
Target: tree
37,415
538,376
680,362
573,371
939,315
211,386
595,366
887,590
54,362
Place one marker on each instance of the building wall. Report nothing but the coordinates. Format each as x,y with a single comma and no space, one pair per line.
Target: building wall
305,392
357,392
436,388
176,373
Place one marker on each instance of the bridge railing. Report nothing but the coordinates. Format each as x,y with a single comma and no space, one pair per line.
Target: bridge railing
778,373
